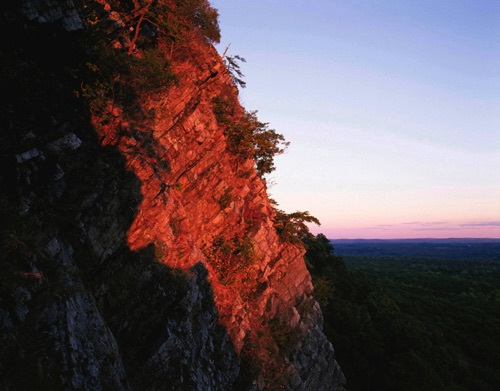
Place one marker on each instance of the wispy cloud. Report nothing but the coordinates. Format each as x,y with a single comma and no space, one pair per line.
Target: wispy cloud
418,226
481,224
425,223
438,229
382,226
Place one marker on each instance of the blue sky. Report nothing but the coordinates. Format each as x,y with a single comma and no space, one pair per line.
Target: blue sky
392,109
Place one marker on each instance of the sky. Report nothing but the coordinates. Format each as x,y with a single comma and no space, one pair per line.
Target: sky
392,109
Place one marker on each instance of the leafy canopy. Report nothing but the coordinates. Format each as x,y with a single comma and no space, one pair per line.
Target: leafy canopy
248,137
291,227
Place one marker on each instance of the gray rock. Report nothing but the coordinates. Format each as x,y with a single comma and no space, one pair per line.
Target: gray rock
50,11
28,155
68,142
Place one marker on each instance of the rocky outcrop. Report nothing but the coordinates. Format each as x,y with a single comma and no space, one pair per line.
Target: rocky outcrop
51,11
139,253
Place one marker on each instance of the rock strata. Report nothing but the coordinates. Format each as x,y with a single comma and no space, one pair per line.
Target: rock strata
139,253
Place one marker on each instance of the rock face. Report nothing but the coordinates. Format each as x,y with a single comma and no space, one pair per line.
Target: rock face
138,253
50,11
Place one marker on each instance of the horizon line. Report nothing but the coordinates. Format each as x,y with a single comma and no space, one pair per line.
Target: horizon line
423,238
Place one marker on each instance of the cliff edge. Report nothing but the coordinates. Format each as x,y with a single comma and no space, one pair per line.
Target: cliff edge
139,244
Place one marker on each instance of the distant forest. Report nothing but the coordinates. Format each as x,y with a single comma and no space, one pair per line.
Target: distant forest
435,248
409,315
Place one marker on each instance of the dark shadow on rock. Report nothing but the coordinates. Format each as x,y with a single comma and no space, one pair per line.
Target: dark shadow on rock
165,323
78,308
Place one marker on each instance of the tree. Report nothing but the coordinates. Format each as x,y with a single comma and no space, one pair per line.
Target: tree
248,138
200,14
291,227
234,68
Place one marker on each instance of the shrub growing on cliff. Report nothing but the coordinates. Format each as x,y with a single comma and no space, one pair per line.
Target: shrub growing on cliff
229,254
248,138
291,227
202,15
235,69
127,46
152,71
224,108
226,198
175,18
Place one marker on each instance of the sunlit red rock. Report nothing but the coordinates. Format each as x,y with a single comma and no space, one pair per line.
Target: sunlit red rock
180,156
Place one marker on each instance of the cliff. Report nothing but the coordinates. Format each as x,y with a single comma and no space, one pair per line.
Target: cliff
139,249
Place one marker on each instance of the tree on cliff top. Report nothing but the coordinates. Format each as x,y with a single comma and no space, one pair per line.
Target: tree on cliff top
202,15
174,18
291,227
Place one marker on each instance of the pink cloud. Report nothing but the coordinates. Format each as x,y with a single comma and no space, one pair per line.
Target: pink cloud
410,230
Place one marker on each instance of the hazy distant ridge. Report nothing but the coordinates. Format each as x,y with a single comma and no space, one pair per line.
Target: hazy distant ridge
421,240
452,248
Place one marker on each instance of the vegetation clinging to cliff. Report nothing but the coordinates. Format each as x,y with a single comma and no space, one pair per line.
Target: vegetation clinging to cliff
130,48
291,227
135,63
248,137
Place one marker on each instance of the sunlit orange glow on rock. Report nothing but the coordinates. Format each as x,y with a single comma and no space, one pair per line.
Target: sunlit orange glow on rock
144,255
180,156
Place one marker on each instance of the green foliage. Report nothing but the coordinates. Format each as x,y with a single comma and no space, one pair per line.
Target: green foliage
408,323
226,198
223,109
175,226
106,70
291,227
282,334
115,78
320,249
201,14
117,72
97,96
103,80
152,71
229,255
248,138
323,291
266,144
235,69
170,21
174,20
161,250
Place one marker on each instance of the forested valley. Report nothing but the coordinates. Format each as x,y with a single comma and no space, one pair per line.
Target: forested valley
410,323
